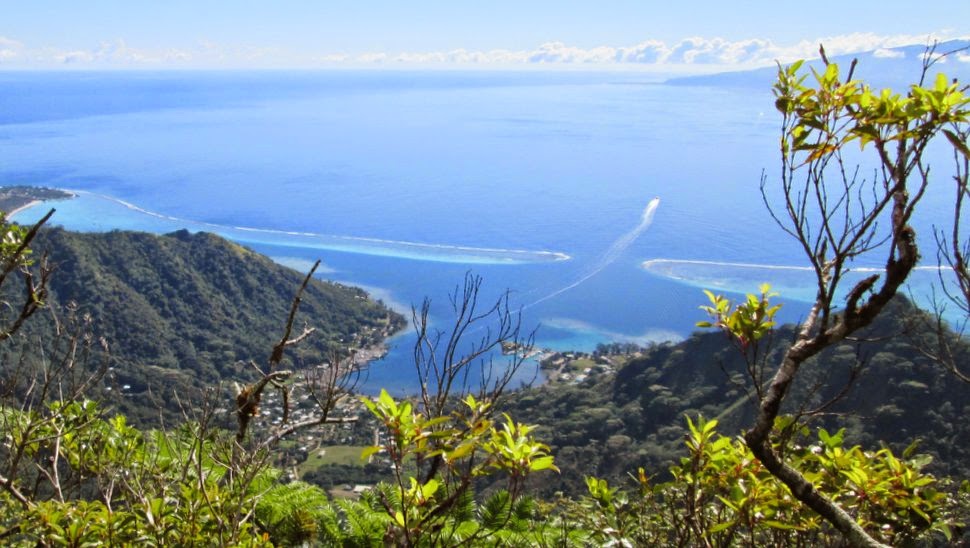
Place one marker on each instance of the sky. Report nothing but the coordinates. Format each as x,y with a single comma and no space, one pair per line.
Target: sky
645,34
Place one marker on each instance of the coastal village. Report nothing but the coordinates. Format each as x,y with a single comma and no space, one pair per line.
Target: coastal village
315,449
576,367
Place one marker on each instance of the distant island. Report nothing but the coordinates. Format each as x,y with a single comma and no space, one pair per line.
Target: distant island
894,68
16,198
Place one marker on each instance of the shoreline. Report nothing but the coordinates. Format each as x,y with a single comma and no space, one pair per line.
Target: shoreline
29,197
20,198
15,199
19,209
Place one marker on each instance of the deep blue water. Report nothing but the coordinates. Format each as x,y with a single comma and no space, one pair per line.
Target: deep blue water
404,181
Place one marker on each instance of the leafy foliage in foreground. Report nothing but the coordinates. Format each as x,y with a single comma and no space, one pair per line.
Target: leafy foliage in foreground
86,478
720,495
70,476
118,485
609,425
433,505
73,476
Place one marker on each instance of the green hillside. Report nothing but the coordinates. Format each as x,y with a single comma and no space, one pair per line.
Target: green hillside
185,310
854,432
608,425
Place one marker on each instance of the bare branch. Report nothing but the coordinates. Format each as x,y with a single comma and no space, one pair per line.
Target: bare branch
277,356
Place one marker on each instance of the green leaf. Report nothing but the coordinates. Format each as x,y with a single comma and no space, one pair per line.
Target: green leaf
945,529
386,399
911,448
429,489
721,527
831,74
462,450
543,463
781,525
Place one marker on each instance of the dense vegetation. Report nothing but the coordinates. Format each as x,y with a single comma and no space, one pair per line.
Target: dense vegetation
610,424
186,310
74,473
14,197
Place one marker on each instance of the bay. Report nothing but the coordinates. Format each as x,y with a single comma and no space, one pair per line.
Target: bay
403,182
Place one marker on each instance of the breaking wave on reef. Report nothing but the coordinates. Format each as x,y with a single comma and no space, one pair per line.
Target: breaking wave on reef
791,282
92,209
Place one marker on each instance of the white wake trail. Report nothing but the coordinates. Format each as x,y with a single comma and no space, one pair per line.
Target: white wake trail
611,254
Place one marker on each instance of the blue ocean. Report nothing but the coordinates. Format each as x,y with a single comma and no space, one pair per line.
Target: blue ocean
602,202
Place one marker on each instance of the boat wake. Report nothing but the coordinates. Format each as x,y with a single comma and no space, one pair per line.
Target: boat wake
610,255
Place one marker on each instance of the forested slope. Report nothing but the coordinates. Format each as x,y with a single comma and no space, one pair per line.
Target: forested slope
609,425
183,310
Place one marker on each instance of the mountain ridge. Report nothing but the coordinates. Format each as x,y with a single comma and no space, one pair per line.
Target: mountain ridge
894,68
185,310
613,423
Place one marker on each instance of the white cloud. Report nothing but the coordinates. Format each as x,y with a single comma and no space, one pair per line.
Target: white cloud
178,55
558,52
372,57
116,53
938,58
861,41
73,57
333,58
9,49
706,51
694,51
722,52
884,53
651,51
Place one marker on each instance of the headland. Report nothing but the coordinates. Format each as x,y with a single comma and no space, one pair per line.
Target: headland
14,199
